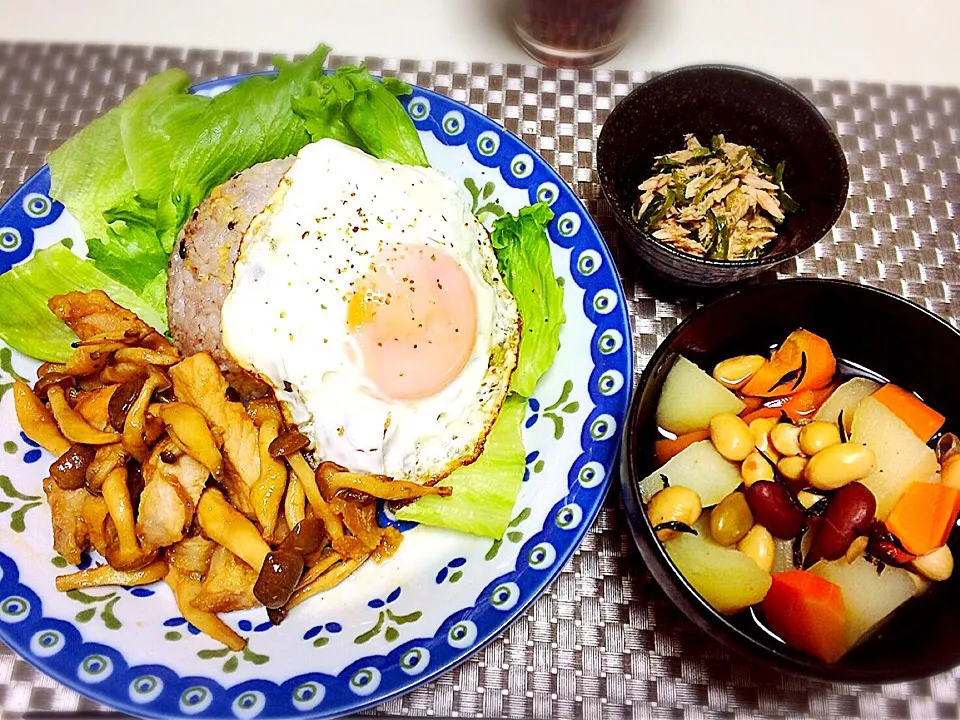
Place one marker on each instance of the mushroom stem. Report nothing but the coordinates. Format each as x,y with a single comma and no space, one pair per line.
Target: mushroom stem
225,525
117,496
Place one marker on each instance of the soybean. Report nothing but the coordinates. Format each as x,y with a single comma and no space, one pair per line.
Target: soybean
808,499
792,467
730,520
731,436
758,546
760,429
755,468
736,372
857,549
786,439
839,465
935,565
950,472
818,436
673,504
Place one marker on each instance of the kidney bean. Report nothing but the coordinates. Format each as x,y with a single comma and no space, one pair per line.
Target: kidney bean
849,513
773,508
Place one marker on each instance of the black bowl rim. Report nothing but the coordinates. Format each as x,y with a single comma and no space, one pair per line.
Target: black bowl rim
691,603
765,260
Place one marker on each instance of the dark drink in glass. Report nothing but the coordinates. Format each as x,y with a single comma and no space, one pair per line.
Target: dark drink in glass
573,33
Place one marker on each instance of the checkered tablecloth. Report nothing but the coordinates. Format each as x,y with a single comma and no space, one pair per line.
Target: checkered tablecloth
604,641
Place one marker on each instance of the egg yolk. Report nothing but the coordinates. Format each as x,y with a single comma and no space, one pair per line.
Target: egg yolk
413,316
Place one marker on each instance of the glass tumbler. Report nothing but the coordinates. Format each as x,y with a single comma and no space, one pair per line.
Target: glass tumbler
572,33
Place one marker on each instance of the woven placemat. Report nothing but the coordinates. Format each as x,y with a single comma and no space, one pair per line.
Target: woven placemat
604,641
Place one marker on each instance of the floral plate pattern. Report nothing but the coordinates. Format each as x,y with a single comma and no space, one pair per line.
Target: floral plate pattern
388,628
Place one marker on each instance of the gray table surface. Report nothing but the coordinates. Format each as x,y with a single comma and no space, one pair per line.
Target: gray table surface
604,641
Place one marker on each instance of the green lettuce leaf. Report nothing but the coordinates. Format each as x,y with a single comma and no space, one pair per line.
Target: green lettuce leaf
89,173
326,99
26,323
384,126
523,255
251,123
151,126
322,110
484,492
109,181
129,251
352,106
154,293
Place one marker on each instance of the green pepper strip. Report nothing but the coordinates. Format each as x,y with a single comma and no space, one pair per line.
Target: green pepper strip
721,249
668,200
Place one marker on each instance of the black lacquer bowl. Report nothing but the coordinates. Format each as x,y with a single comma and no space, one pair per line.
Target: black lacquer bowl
871,328
748,108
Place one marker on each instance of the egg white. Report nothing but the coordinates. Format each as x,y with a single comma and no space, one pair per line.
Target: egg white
285,318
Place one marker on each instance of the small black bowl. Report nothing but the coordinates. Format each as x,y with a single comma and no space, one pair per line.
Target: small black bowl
748,108
884,333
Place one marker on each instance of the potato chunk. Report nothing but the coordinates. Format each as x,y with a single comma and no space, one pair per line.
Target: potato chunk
902,458
846,399
690,397
868,597
699,467
726,578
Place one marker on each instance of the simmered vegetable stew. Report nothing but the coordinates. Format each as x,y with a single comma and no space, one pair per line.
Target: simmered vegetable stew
823,500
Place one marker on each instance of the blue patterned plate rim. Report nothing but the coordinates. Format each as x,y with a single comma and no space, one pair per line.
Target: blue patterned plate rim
618,356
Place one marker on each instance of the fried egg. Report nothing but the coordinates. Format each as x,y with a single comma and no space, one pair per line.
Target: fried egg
367,294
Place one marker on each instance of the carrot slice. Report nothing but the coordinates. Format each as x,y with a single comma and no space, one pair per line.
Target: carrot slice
924,515
805,404
808,613
922,419
666,448
761,412
750,404
803,362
